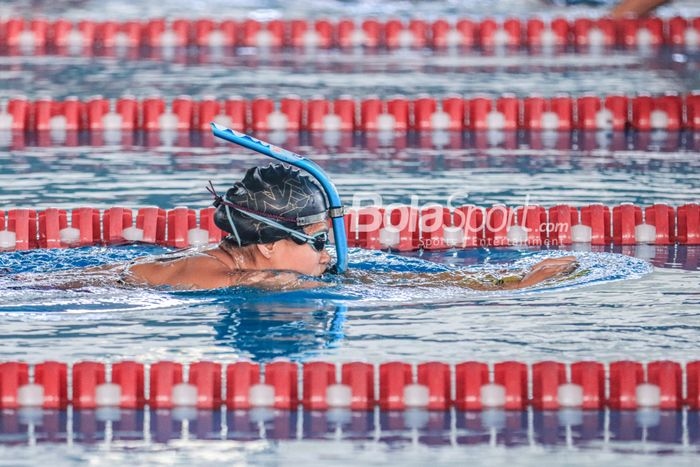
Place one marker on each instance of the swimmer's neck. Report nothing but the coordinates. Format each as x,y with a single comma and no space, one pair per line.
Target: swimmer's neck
235,259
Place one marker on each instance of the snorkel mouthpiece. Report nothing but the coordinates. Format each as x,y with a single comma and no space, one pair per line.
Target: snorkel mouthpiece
336,210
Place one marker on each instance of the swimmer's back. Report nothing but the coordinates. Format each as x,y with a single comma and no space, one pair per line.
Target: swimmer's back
207,270
199,271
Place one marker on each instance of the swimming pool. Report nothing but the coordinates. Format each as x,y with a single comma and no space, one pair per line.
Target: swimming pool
652,316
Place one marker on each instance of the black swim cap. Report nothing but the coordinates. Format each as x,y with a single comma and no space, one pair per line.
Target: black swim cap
277,192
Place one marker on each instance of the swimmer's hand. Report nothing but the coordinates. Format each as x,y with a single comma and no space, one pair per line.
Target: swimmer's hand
548,269
635,8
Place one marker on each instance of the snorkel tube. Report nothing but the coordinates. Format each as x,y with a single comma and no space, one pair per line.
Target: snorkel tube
336,209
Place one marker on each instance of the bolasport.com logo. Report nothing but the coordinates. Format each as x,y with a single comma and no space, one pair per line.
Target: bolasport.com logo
454,224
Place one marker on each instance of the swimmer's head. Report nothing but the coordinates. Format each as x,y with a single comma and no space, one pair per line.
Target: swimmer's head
281,211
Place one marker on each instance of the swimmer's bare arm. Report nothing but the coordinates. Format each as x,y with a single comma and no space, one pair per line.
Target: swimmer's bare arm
540,272
635,8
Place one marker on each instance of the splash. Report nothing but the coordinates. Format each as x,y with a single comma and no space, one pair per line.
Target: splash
376,277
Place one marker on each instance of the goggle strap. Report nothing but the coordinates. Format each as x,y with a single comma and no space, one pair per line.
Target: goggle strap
270,222
233,225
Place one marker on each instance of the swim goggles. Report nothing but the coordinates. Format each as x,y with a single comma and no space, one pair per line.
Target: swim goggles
317,241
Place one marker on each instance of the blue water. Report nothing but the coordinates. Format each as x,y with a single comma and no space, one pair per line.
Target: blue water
640,302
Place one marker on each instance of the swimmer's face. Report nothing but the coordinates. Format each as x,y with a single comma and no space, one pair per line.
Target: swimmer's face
303,259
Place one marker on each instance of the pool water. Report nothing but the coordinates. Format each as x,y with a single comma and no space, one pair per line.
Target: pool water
639,303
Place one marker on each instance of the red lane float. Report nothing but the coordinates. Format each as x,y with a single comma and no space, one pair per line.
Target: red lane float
64,115
591,377
13,375
21,33
370,221
630,386
23,222
208,33
180,221
597,217
320,34
206,377
513,376
657,113
129,376
493,34
114,221
405,220
159,33
497,220
316,111
548,114
256,34
594,33
501,114
87,221
534,220
437,378
625,376
393,378
469,379
433,220
546,379
206,222
640,32
370,109
53,377
625,218
344,107
240,377
292,109
692,106
692,375
36,34
682,31
317,377
111,34
663,218
607,114
283,377
397,34
402,228
163,377
19,111
453,107
668,376
689,224
453,113
152,221
460,34
86,377
540,34
561,218
398,109
261,108
359,376
158,116
470,219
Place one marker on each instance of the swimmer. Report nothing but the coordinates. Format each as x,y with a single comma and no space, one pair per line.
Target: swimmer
635,8
277,220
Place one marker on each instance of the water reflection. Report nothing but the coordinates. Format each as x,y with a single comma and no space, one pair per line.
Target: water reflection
646,430
270,328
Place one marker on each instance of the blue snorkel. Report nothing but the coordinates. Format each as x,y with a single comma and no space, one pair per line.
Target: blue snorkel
336,209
